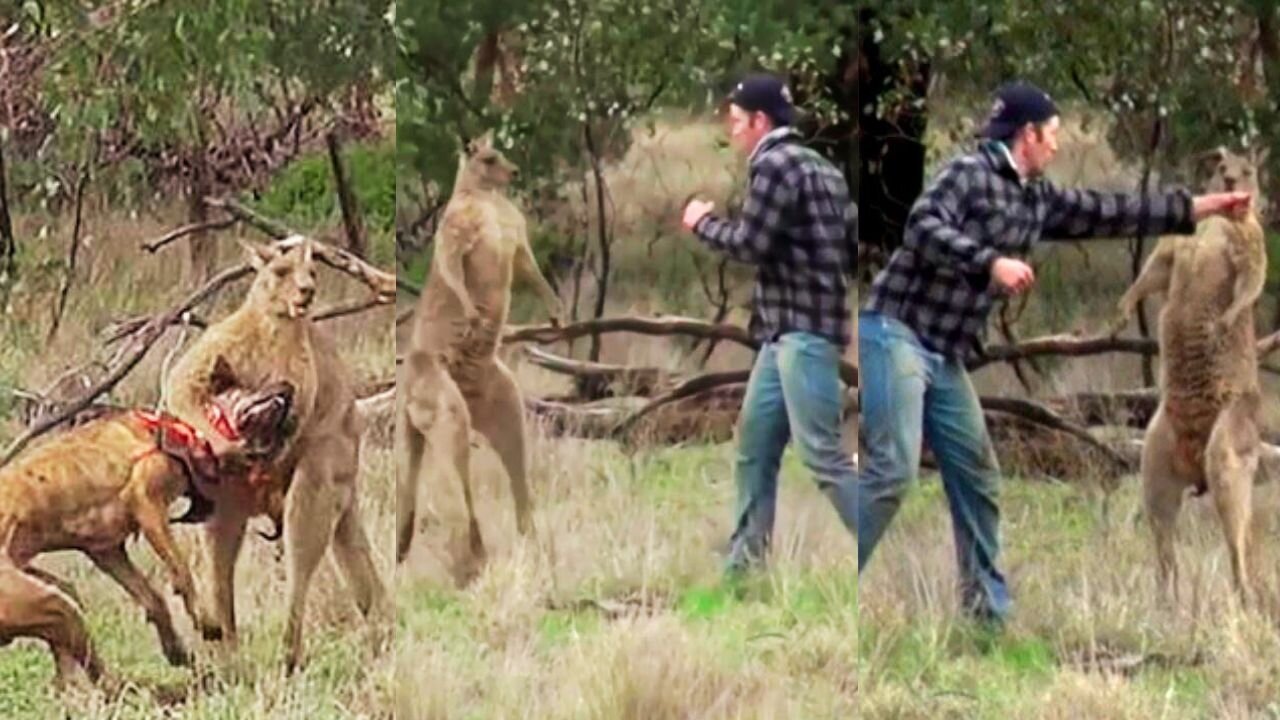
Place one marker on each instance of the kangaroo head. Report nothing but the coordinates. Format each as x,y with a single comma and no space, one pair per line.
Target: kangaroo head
1233,172
285,283
485,167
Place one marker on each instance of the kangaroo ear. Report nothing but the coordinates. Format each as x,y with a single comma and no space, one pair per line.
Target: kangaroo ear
223,377
257,255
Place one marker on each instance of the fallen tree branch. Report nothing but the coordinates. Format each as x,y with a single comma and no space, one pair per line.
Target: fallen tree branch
404,316
1066,345
142,341
407,287
186,230
122,329
346,309
665,325
1077,346
639,380
383,284
1039,414
670,325
692,386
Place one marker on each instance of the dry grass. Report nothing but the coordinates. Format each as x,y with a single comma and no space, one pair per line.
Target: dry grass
345,676
1089,638
617,611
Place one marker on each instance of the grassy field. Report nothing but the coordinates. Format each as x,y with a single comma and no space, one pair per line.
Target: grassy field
1089,638
619,611
346,674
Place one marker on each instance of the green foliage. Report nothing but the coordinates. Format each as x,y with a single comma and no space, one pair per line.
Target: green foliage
1175,63
591,70
304,193
164,74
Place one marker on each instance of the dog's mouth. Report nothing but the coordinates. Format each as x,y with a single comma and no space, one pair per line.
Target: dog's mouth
261,417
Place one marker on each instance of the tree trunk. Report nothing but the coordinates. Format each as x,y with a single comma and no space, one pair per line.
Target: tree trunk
603,238
891,148
8,245
351,217
204,250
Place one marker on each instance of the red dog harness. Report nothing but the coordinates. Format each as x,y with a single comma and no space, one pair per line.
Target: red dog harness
179,432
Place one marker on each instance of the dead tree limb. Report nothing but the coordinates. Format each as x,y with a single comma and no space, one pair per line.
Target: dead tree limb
670,325
140,343
82,183
176,234
351,218
666,325
383,283
1066,345
122,329
1041,415
403,317
346,309
692,386
405,286
637,380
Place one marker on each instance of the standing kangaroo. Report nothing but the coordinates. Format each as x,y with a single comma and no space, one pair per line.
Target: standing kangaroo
455,377
272,337
1204,434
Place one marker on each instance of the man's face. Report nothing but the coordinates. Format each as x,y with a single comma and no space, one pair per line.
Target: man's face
1040,146
746,128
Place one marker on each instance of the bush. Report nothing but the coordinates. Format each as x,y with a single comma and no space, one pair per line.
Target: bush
304,195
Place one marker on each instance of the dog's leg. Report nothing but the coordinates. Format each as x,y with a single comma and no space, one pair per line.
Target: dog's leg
54,580
30,607
224,534
312,510
1231,461
115,562
150,512
1162,489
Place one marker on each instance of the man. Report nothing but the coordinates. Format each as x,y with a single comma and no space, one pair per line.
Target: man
797,227
927,313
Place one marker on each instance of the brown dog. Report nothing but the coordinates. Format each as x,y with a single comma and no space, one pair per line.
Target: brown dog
93,486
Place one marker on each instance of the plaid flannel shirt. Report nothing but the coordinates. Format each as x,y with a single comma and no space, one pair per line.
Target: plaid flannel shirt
798,227
978,209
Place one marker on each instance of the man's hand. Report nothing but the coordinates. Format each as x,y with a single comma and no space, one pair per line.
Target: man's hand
695,211
1013,276
1234,204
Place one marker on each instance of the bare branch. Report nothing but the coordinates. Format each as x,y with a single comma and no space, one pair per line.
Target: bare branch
383,283
141,342
351,308
82,183
1069,345
692,386
639,380
667,325
184,231
670,325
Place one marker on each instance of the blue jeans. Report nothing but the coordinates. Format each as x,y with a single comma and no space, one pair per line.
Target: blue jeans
794,391
909,392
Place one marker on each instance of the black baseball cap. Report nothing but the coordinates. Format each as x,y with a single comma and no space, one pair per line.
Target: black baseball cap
1015,105
765,93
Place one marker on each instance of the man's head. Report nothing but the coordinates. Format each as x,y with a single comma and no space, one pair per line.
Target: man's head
1025,119
758,104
